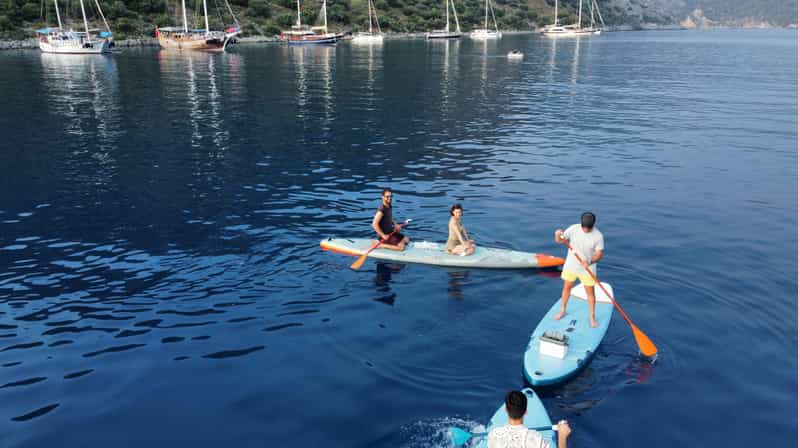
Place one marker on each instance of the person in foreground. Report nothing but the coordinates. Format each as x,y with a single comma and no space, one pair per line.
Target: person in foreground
386,228
458,242
515,435
588,241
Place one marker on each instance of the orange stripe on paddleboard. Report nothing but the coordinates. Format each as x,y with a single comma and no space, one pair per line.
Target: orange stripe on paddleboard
339,250
548,261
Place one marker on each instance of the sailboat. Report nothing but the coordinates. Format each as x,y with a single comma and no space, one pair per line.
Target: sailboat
303,34
370,37
177,38
58,40
485,33
446,33
575,29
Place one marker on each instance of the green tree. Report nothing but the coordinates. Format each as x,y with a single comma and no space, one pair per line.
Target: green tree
259,8
285,20
30,12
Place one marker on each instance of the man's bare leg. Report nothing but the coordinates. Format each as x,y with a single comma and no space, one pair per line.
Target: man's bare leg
591,301
566,294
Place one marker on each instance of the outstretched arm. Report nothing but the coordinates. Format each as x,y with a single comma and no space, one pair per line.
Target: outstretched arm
563,431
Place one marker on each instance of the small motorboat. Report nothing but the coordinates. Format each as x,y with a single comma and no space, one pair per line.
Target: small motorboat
515,54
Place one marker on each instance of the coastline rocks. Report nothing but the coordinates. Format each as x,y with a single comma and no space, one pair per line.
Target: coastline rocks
18,44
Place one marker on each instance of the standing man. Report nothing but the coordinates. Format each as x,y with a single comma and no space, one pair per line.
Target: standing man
515,435
386,228
588,242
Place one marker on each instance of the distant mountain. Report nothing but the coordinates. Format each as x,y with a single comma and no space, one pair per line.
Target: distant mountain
698,13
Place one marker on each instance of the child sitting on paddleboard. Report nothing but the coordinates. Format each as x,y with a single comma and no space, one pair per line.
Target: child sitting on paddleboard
458,242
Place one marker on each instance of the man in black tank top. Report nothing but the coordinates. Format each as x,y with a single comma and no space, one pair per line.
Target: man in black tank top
385,226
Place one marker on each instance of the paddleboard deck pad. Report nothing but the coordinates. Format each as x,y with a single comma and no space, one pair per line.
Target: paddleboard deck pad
425,252
536,416
545,370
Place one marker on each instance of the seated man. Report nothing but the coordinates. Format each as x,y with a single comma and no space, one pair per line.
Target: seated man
515,435
386,228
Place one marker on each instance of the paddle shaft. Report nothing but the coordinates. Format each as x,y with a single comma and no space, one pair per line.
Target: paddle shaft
644,343
593,276
537,428
362,258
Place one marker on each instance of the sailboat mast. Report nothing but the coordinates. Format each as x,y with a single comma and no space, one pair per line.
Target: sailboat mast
592,22
369,16
579,22
486,15
100,10
205,10
85,22
457,22
57,14
446,3
298,15
324,6
185,20
556,7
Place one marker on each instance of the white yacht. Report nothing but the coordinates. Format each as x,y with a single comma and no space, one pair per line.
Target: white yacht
59,40
576,29
446,33
485,33
370,37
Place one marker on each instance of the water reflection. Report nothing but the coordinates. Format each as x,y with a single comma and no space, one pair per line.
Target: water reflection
373,54
383,280
83,93
192,81
457,279
575,64
314,79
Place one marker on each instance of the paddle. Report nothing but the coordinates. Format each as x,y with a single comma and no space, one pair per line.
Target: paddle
362,259
461,436
647,348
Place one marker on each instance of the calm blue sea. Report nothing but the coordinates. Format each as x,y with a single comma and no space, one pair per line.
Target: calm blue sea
161,281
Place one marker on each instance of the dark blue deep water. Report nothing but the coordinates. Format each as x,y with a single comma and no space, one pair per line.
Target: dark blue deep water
161,282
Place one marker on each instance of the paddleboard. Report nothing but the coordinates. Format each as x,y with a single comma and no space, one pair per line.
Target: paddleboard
544,370
536,416
425,252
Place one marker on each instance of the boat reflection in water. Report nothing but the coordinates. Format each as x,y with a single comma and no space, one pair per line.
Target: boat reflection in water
83,92
191,83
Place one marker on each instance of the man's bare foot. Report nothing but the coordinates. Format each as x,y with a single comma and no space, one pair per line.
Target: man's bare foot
593,322
559,315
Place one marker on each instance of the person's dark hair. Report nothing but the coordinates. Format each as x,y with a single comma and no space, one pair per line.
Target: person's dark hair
515,402
588,220
456,206
386,190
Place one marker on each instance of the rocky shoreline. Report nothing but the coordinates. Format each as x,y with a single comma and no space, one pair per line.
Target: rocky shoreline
31,43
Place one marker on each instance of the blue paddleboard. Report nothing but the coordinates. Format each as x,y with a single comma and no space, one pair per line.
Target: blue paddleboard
583,340
536,416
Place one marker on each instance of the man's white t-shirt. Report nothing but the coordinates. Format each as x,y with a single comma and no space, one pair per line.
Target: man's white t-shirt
585,244
515,436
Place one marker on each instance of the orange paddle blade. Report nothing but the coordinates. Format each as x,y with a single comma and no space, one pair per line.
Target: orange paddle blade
360,260
647,348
